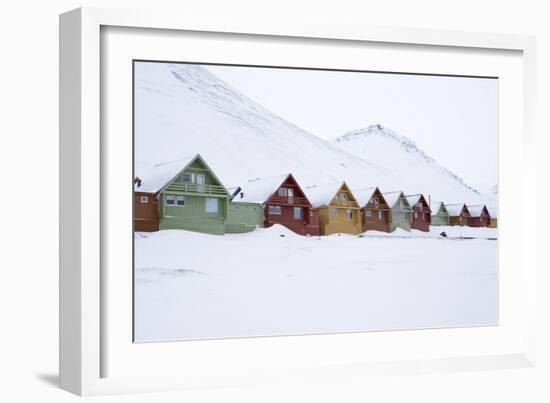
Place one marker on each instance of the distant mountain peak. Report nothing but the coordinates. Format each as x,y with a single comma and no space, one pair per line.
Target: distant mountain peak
378,131
382,131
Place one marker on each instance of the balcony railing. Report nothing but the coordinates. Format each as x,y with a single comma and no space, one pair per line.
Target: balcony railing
345,203
302,201
195,188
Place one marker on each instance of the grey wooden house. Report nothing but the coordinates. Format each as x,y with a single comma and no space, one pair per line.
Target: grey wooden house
400,210
441,216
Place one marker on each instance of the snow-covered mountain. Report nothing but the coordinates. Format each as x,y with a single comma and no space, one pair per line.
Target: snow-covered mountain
185,109
420,173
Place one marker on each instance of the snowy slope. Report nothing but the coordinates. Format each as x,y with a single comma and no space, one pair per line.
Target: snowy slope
419,172
184,109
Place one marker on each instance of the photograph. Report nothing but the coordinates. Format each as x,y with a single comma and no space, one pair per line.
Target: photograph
281,201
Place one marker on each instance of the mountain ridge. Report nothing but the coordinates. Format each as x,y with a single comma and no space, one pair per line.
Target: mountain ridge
406,143
186,109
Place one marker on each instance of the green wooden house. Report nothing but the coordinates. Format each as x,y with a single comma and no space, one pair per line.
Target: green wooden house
191,197
441,217
400,210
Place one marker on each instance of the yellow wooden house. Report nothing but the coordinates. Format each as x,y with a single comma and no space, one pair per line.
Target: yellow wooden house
338,209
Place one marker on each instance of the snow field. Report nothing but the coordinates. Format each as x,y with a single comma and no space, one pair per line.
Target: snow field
274,282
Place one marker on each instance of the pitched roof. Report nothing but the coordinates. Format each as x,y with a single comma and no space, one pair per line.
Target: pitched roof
161,174
475,210
454,209
413,199
364,195
258,190
321,195
393,197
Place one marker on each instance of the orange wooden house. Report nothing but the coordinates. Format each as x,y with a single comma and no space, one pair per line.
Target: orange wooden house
458,214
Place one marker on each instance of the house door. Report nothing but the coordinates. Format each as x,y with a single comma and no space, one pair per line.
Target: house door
200,182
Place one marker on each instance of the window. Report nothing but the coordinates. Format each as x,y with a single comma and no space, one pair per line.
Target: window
276,210
333,212
368,213
144,199
170,200
297,213
342,196
211,205
173,200
375,201
349,214
180,201
381,215
285,192
415,214
187,177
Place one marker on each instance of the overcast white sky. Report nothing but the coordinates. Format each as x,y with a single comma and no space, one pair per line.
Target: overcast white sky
453,119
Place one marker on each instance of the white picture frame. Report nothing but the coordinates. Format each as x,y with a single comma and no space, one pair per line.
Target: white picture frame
83,306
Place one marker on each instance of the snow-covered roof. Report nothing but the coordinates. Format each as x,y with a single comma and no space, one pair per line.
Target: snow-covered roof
159,175
392,197
454,209
493,211
258,190
413,199
321,195
475,210
363,195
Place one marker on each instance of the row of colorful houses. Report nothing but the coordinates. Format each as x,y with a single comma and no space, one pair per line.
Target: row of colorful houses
186,194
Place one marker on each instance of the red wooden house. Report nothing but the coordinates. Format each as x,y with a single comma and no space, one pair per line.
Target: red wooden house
479,216
375,210
284,202
421,212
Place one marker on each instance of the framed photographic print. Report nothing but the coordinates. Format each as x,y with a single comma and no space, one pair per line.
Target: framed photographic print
241,203
312,233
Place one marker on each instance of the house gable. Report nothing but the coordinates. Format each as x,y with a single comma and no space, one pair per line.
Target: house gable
442,210
402,203
197,172
377,201
289,192
424,204
478,211
197,177
344,198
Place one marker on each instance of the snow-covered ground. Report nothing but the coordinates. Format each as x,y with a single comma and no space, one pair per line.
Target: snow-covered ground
273,282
